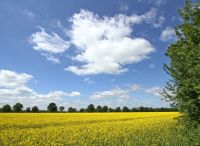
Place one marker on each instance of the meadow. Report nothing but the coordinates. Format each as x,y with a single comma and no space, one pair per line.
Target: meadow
89,129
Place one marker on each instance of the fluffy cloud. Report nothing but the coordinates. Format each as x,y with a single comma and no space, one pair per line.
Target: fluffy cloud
103,44
74,93
49,44
168,34
151,17
123,94
159,22
13,88
51,58
10,79
155,91
108,45
118,93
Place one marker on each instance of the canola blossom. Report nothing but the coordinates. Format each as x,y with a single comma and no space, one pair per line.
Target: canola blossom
88,129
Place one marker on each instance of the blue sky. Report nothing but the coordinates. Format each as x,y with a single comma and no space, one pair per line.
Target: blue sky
80,52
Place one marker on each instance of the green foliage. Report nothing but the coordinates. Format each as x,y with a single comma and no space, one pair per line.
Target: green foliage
111,110
82,110
35,109
105,109
118,109
61,108
91,108
52,107
189,135
125,109
28,109
17,107
99,108
6,108
184,87
72,110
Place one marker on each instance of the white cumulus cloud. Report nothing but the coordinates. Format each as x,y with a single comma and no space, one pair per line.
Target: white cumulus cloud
10,79
114,93
154,90
105,44
168,34
123,94
14,88
50,43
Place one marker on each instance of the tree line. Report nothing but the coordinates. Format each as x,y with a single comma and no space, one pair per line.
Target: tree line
52,107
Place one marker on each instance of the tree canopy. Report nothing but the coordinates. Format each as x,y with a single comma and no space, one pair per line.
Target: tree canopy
6,108
18,107
35,109
52,107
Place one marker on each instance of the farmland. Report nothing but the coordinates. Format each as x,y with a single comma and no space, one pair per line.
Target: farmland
88,129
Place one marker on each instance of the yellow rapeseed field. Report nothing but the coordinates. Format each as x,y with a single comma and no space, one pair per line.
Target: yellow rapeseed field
88,129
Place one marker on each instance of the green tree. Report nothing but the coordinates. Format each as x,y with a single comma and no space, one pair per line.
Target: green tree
134,109
52,107
184,68
72,110
91,108
35,109
125,109
99,108
28,109
82,110
105,109
111,110
6,108
118,109
61,108
18,107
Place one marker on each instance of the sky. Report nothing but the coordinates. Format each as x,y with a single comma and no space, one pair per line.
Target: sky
75,53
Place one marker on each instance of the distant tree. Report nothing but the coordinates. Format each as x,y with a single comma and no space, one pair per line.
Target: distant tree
72,110
82,110
150,109
17,107
61,108
134,109
91,108
125,109
0,109
118,109
28,109
6,108
35,109
111,110
52,107
99,108
141,109
105,108
146,109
